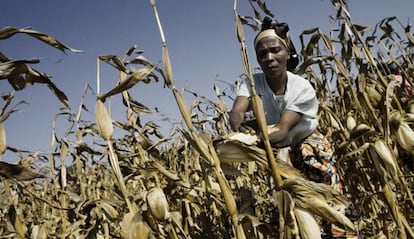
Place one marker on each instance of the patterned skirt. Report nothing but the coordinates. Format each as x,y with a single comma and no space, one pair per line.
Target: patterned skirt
313,156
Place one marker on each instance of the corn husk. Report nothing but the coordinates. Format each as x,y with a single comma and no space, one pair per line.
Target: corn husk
38,232
373,95
103,120
308,227
321,208
359,131
158,204
385,154
405,136
235,152
133,227
350,122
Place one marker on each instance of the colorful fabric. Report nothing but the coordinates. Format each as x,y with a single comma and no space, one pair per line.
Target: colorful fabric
313,156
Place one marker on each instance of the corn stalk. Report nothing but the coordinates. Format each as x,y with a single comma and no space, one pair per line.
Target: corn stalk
207,150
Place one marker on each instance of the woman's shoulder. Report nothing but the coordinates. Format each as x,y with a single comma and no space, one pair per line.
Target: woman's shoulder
298,80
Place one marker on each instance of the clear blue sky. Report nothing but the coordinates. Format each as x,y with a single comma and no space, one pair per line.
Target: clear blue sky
200,37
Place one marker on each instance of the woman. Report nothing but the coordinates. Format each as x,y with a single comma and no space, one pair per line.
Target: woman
290,104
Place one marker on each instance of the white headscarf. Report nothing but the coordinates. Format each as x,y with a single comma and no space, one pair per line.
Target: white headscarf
270,33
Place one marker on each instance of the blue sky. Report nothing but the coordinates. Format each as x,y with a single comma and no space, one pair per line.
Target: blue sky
200,36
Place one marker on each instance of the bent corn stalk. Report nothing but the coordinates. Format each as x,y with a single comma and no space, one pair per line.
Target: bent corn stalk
257,102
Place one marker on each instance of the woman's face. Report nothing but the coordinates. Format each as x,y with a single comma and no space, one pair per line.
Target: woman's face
272,56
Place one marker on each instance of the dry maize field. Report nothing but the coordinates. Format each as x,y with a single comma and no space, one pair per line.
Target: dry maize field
113,179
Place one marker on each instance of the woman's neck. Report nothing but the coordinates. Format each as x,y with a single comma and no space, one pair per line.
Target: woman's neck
277,83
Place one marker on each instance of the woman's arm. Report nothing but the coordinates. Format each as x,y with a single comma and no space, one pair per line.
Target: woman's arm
240,106
288,120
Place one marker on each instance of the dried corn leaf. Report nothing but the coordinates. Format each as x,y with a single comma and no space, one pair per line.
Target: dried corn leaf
134,78
8,31
18,172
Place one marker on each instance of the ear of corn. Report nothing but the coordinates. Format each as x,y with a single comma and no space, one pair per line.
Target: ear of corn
387,157
103,120
157,203
324,210
308,227
359,131
133,227
405,137
350,122
373,95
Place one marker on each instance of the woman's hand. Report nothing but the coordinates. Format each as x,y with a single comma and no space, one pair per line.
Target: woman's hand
246,129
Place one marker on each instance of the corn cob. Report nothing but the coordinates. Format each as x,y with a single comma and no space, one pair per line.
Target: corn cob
387,157
157,203
405,136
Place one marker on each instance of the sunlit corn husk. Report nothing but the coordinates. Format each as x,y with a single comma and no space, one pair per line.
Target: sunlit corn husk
235,152
405,136
333,122
169,79
248,139
38,232
359,131
103,120
387,157
350,122
373,95
133,227
157,203
3,144
283,155
308,227
108,209
307,188
63,176
323,209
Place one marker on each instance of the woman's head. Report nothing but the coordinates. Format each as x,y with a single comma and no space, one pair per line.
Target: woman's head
278,31
271,33
271,53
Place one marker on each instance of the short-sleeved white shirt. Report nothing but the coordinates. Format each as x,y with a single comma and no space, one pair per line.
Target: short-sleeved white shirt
299,96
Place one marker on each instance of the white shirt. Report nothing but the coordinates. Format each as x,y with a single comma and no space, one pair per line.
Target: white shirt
299,97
